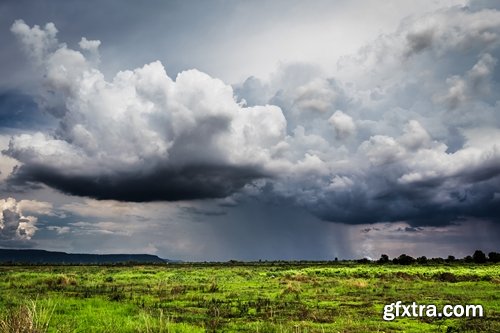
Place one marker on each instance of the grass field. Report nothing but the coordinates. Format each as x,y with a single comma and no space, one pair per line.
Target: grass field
264,297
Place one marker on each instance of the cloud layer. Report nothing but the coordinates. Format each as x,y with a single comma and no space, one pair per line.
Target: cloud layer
407,130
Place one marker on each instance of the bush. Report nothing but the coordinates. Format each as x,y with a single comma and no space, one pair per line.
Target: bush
479,257
384,259
447,277
422,260
494,257
59,282
437,260
404,260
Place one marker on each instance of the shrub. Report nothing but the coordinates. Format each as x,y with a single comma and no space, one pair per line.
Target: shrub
405,259
468,259
384,259
447,277
437,260
479,257
422,260
494,257
291,288
60,281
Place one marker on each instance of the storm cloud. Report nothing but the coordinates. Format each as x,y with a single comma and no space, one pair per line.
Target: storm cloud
415,119
161,184
407,130
142,136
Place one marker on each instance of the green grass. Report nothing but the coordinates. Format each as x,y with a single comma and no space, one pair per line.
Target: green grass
267,297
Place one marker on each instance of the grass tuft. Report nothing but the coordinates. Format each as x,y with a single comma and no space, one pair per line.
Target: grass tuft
27,318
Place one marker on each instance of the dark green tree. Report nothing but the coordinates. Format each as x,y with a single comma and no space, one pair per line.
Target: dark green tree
405,259
422,260
468,259
494,257
384,259
479,257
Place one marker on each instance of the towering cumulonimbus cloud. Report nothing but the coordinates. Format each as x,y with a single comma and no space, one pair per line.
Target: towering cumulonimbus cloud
141,136
408,130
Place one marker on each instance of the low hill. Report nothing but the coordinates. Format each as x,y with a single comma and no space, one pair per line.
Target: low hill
11,256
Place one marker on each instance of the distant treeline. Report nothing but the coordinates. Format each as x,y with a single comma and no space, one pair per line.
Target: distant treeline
479,257
12,257
42,257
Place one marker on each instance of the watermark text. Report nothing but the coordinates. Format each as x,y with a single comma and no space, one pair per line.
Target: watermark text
398,309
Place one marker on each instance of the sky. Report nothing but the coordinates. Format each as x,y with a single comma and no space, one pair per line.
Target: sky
248,130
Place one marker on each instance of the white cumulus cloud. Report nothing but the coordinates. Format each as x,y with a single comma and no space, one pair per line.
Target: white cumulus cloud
14,224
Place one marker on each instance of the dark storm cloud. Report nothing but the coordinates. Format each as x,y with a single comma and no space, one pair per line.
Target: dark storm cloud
162,184
423,126
410,229
140,137
430,202
408,131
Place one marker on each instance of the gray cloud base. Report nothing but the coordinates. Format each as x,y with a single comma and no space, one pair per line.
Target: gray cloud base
162,184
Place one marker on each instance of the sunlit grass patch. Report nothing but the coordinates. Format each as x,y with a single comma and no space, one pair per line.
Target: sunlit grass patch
282,297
